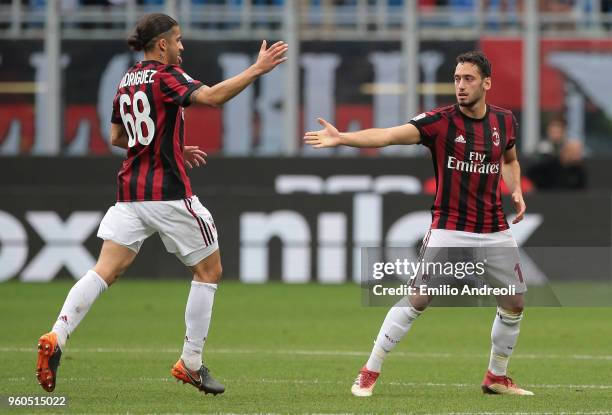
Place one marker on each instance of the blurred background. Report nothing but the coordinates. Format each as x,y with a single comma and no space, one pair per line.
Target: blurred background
288,212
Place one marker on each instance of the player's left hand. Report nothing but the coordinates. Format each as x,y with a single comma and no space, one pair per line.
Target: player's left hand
270,57
194,157
519,206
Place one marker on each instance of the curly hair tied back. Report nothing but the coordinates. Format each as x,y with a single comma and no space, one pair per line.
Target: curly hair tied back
149,27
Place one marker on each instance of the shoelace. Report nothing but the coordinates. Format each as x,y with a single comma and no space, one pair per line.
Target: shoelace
365,378
508,382
195,381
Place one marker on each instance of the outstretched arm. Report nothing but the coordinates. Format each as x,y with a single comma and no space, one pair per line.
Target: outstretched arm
219,94
329,136
511,173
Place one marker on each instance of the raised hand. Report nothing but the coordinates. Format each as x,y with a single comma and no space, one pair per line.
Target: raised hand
271,57
194,157
327,137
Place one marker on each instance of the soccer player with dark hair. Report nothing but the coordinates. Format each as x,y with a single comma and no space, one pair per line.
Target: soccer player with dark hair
473,146
154,193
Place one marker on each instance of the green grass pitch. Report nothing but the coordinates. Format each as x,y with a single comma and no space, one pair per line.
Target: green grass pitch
296,349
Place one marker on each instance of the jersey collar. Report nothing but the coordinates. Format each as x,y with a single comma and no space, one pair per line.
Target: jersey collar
471,118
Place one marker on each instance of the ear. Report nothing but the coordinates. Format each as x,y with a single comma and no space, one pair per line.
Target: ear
487,83
162,44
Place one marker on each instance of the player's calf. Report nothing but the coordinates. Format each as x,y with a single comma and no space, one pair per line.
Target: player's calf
504,336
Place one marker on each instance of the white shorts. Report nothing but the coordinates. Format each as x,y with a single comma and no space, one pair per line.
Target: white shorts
185,226
498,250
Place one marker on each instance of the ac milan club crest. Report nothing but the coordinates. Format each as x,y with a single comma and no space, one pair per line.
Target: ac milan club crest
496,138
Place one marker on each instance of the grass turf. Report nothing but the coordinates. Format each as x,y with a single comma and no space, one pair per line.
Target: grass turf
296,349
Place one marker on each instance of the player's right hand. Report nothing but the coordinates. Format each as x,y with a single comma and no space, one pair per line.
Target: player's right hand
329,136
271,57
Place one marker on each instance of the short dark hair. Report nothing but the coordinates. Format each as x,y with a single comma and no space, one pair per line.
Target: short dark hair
149,27
477,58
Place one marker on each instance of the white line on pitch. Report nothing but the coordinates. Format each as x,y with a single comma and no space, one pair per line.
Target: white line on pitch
524,413
312,352
329,382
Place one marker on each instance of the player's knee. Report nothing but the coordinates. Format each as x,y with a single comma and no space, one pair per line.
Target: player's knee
513,304
510,317
207,278
518,309
215,274
108,277
210,275
110,273
112,277
419,302
219,272
515,307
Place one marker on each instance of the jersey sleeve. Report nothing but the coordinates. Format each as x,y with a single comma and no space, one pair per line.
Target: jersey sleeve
427,124
176,86
116,114
513,134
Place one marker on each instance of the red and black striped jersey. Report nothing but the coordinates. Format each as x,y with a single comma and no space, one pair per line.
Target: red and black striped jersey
149,103
467,156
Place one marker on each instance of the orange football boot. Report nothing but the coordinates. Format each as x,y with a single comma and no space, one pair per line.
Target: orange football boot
201,378
49,355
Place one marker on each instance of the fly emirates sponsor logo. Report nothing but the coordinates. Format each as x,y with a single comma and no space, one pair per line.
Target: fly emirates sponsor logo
474,164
